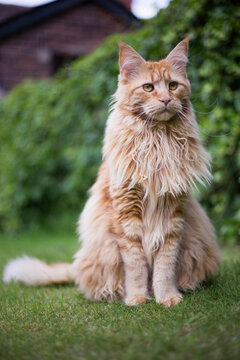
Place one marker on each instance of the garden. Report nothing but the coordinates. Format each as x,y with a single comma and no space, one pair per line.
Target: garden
51,134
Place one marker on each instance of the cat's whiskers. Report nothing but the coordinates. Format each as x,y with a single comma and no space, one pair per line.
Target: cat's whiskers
180,113
148,121
140,115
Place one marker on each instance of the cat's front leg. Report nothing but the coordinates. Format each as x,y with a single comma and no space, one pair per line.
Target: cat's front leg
135,271
164,275
129,231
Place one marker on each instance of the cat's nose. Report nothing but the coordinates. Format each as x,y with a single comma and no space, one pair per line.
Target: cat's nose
165,100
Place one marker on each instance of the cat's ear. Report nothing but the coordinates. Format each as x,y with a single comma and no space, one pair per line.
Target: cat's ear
178,57
130,62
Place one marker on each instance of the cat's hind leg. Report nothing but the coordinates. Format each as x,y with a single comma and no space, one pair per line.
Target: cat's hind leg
97,268
98,271
199,255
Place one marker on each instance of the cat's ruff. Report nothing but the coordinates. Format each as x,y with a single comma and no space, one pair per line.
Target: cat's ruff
142,233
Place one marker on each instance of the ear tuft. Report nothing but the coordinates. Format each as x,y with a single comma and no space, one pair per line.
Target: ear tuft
178,57
130,62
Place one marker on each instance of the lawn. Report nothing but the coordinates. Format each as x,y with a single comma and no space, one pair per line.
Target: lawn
58,323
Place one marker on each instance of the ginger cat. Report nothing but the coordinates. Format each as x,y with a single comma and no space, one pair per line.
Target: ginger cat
142,232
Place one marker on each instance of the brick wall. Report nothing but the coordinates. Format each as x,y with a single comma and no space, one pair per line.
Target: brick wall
33,52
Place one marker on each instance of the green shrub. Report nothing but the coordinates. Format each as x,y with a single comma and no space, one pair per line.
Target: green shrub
51,131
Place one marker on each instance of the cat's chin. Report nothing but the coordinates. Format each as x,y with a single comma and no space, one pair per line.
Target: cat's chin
164,116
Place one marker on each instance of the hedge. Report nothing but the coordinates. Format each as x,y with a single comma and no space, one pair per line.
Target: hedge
51,131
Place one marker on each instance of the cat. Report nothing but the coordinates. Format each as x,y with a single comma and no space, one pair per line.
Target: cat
142,232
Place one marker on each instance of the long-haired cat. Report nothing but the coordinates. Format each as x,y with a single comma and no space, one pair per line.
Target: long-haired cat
142,232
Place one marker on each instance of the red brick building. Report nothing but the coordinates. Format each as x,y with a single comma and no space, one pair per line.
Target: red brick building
35,42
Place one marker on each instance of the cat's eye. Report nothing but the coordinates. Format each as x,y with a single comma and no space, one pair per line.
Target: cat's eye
148,87
173,85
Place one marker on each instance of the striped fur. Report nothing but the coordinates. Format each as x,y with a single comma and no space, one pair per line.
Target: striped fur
142,233
151,161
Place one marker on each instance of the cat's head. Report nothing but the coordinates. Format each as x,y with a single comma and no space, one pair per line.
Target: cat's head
154,90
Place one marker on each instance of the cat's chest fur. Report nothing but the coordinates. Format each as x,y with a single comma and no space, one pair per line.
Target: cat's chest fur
166,167
167,158
162,163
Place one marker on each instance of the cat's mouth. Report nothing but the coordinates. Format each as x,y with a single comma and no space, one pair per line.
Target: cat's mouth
156,115
163,111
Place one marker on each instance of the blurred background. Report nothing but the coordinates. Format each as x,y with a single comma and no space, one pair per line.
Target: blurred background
58,68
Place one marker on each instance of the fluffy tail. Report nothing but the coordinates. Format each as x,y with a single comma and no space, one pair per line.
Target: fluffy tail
31,271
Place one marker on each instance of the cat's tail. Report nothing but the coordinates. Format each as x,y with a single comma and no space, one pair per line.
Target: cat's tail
31,271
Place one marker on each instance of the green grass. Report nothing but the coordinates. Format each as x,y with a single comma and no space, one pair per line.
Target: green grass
58,323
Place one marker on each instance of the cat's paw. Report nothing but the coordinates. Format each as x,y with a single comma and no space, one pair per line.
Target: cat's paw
136,300
170,299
